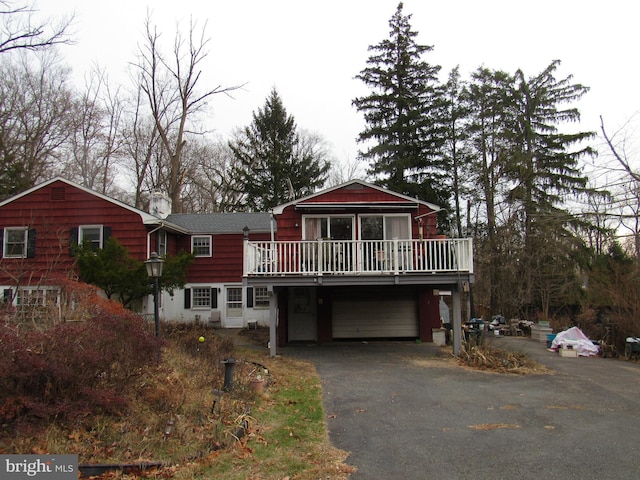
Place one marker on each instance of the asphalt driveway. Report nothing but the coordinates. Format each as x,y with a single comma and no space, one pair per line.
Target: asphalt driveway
406,410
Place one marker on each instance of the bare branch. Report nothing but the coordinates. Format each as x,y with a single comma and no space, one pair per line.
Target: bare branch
21,30
622,160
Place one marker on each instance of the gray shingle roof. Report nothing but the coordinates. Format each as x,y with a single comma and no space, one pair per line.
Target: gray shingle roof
222,222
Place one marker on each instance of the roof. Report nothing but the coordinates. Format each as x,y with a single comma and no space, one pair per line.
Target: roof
302,201
146,217
222,222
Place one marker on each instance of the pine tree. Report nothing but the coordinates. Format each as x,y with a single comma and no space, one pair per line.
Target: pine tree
456,152
403,115
274,163
490,119
544,164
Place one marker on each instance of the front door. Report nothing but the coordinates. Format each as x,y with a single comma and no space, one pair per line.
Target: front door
233,308
302,315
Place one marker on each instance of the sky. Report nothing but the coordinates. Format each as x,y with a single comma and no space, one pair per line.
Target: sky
310,51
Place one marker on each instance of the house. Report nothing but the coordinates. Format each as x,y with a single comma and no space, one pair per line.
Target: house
357,261
354,261
39,226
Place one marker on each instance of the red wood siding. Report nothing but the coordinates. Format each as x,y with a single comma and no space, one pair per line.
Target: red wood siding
226,263
290,221
356,194
53,217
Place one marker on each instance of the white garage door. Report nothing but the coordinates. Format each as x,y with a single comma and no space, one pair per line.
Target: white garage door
374,316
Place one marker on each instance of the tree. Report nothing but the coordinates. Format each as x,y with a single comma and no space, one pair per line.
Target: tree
490,112
275,163
94,139
456,152
544,162
124,278
627,183
22,31
35,106
210,187
404,116
171,89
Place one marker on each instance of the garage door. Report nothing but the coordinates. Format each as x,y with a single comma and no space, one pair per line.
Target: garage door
374,314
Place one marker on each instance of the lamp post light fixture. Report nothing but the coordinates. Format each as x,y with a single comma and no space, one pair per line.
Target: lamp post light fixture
154,270
245,232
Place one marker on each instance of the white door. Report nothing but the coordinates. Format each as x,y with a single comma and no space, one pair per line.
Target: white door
302,315
233,317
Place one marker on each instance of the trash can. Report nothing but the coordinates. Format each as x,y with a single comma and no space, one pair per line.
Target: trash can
439,336
550,338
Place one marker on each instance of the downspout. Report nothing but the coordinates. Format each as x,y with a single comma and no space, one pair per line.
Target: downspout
149,239
271,220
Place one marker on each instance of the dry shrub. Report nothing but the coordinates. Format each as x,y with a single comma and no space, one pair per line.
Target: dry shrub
64,370
485,357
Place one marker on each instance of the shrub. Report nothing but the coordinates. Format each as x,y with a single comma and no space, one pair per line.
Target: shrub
72,369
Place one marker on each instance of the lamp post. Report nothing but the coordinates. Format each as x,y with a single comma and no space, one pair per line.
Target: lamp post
154,270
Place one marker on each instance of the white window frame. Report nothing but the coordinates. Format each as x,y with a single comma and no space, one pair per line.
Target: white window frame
385,234
260,297
328,220
193,245
94,245
162,243
201,298
36,296
25,238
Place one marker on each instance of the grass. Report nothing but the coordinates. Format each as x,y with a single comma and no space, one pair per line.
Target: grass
171,420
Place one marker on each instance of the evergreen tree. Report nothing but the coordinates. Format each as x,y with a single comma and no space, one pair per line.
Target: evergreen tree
404,115
489,99
544,163
274,162
456,153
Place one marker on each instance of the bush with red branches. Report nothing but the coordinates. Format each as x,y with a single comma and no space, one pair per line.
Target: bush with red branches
70,369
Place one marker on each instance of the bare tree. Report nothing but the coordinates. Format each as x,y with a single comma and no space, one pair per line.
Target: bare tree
210,187
628,186
22,30
619,151
170,85
141,148
94,139
35,103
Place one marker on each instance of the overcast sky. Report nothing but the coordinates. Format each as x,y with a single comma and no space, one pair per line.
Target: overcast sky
310,51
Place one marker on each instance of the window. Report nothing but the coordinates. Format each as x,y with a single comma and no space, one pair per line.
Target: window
385,227
335,228
201,245
92,235
162,243
201,297
261,297
15,242
36,297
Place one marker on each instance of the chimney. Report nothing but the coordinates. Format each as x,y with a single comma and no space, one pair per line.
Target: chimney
160,205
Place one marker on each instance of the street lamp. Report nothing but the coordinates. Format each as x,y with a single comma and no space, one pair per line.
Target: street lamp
154,270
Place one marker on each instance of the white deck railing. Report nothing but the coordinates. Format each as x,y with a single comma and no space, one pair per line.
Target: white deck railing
357,257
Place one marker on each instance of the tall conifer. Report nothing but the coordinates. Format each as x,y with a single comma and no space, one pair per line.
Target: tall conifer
404,115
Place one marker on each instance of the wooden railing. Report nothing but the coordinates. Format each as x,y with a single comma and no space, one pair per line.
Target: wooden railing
357,257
